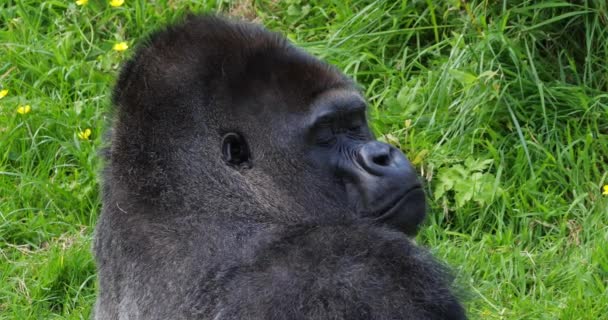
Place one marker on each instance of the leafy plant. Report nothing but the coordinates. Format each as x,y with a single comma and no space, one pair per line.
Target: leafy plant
462,183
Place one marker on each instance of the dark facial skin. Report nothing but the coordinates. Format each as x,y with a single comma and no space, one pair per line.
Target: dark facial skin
242,181
336,142
379,180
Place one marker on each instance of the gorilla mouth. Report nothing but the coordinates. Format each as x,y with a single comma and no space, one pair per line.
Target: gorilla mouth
404,209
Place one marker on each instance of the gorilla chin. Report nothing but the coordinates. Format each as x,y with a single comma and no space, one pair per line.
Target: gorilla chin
242,181
407,212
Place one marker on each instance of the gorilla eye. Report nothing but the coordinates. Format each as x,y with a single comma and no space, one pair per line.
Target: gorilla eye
324,133
356,124
235,150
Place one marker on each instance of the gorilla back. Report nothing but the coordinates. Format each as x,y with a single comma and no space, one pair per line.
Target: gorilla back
243,182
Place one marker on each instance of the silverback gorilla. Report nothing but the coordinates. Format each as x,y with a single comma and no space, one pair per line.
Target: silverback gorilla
243,182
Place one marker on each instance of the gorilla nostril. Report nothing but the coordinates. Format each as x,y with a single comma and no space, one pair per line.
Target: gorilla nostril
379,159
382,159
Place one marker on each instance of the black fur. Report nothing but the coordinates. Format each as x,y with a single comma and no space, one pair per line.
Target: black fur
304,230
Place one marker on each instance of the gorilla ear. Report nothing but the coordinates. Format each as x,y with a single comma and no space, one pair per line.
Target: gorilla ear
235,150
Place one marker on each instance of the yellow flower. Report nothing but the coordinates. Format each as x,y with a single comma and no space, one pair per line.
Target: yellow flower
82,2
120,46
84,135
605,192
3,93
116,3
24,109
408,123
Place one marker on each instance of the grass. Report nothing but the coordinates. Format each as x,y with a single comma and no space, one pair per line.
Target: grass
501,105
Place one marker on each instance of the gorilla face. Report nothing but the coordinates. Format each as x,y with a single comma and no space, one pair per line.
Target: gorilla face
331,142
379,181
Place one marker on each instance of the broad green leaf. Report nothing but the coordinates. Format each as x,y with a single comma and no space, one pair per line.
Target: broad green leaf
463,77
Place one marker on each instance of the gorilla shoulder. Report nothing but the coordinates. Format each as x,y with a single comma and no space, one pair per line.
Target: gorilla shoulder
243,181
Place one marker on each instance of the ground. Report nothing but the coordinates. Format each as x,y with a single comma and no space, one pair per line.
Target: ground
502,108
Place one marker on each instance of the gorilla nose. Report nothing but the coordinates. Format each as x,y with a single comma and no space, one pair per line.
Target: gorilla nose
388,187
381,159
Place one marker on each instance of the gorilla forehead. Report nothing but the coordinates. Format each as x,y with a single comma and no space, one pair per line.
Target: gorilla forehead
224,60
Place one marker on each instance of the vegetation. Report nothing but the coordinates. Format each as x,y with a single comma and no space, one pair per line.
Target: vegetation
501,105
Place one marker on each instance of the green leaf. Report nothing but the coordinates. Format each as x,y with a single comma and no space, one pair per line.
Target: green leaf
447,178
403,97
293,10
305,9
463,77
477,165
464,192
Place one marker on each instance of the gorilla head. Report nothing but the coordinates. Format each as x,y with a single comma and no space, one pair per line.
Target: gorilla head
243,182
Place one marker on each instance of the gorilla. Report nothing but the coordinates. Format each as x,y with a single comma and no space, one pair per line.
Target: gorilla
242,181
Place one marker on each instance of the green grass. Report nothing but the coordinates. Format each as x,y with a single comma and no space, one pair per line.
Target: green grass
501,105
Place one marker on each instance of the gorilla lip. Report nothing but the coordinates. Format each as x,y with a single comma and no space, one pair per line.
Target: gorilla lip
394,207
